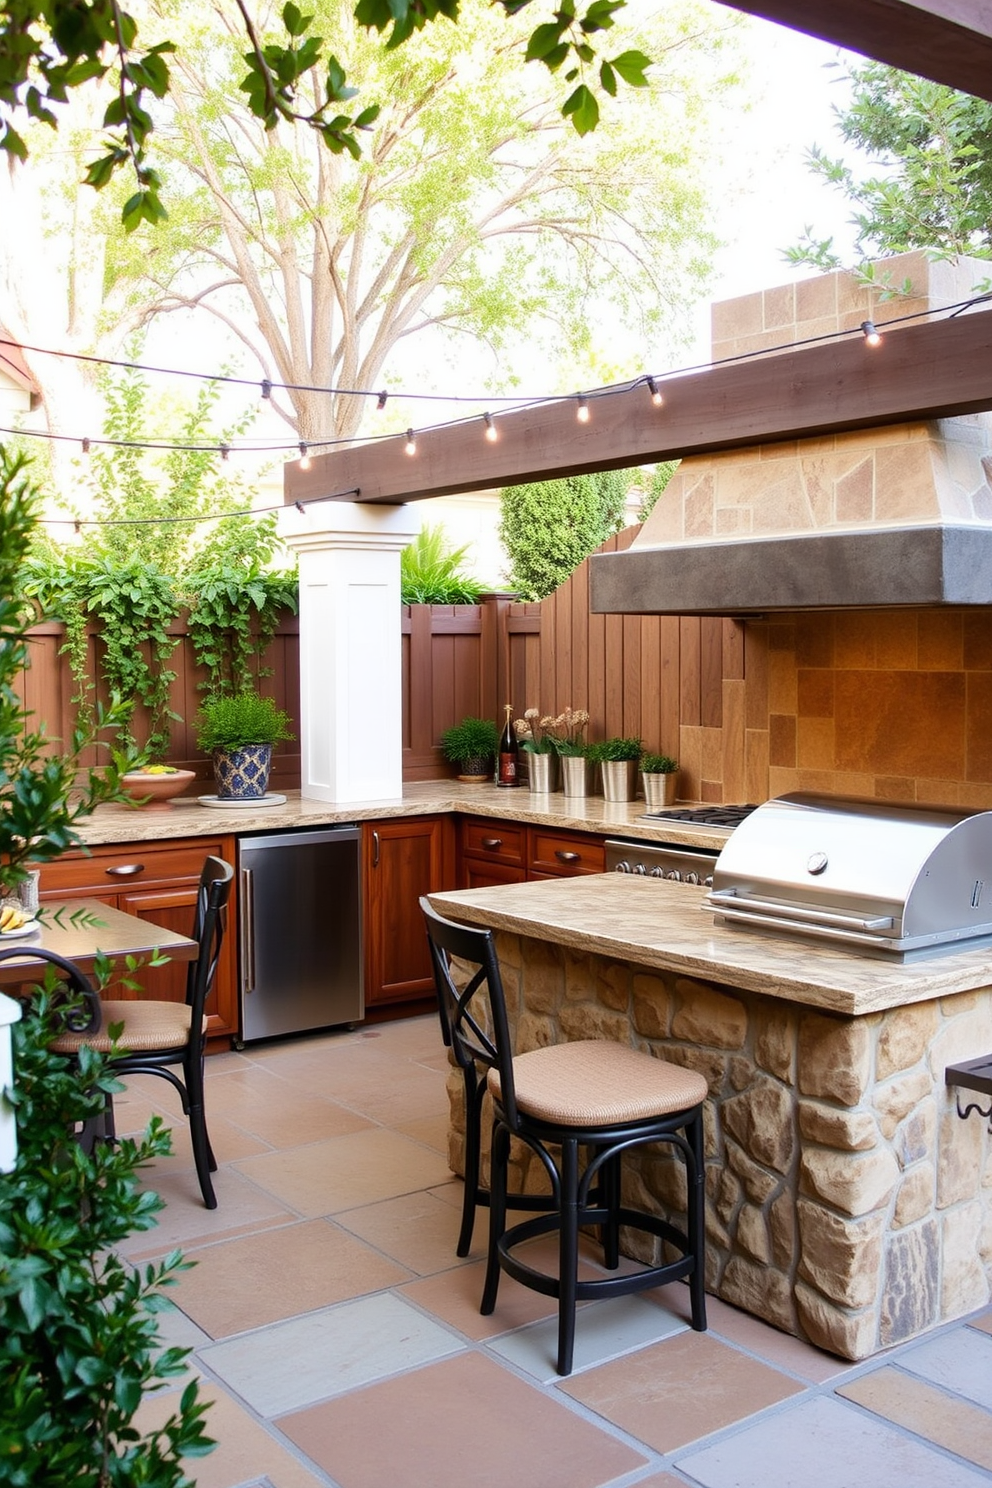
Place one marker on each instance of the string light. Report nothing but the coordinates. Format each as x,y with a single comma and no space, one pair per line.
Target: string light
871,335
86,446
225,450
266,388
304,456
492,433
300,507
380,402
582,413
411,443
657,397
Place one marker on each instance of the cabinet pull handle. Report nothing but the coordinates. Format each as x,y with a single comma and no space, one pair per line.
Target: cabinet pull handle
247,927
492,843
567,857
375,849
126,870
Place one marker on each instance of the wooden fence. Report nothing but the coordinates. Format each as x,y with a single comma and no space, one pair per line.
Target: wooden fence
674,681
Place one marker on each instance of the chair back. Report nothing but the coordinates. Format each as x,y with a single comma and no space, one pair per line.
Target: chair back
82,1015
208,931
474,1016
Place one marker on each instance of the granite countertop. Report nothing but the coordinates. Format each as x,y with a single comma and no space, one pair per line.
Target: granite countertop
187,818
667,926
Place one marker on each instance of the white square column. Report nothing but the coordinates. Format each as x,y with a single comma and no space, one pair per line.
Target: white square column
351,686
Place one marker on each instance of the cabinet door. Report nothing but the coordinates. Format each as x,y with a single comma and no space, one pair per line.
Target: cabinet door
403,859
479,874
176,910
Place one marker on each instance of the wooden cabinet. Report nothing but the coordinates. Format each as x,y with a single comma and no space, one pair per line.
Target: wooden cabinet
156,881
403,858
491,852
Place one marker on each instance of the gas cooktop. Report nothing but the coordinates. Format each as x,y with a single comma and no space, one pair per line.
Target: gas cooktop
703,816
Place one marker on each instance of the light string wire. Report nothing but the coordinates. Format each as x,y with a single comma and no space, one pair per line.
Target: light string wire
653,382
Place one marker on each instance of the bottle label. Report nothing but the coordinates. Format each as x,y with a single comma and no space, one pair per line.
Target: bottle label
507,770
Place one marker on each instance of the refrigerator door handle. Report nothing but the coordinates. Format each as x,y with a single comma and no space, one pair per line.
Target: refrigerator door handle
247,923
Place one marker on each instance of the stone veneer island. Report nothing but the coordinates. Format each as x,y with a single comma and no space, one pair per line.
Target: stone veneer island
847,1202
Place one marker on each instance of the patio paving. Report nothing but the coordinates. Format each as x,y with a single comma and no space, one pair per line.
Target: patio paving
340,1341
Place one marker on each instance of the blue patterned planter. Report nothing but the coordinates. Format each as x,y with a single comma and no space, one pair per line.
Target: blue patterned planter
242,774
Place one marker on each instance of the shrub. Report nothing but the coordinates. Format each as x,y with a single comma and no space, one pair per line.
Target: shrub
548,527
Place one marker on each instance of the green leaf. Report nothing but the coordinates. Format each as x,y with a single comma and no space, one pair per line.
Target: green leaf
632,66
608,80
582,108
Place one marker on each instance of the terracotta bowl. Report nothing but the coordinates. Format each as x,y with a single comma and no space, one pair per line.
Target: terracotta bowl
152,791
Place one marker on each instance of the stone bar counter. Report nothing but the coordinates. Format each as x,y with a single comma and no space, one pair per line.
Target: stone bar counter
847,1202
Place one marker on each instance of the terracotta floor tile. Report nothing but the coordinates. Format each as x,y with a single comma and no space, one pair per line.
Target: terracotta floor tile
242,1209
679,1390
345,1172
821,1443
418,1230
956,1425
779,1349
431,1130
258,1279
287,1117
245,1453
454,1296
507,1434
292,1365
984,1323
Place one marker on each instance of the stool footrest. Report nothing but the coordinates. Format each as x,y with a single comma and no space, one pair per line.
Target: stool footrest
635,1281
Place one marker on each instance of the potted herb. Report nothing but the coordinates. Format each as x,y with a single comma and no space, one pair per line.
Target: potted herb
617,758
659,773
238,732
472,746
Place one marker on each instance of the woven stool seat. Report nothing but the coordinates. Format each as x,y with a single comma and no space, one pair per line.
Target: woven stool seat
596,1083
147,1025
579,1107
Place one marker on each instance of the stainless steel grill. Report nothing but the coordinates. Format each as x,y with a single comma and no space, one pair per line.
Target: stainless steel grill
886,878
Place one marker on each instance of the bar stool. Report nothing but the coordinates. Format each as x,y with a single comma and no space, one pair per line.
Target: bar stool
595,1095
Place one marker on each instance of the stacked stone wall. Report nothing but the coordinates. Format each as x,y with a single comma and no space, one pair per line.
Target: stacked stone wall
847,1202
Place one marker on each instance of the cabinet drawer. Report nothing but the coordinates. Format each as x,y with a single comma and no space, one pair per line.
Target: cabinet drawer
116,869
562,853
496,841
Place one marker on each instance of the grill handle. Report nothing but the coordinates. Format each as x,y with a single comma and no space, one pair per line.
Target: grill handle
744,904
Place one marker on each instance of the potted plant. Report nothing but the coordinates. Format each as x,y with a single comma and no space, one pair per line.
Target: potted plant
472,745
238,732
572,750
617,758
536,740
659,773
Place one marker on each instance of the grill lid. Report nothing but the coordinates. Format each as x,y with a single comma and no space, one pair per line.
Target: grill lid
884,877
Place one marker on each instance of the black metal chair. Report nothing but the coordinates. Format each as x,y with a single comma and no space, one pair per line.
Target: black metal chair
595,1095
157,1035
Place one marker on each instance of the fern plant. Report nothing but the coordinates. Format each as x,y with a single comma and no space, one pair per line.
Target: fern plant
431,571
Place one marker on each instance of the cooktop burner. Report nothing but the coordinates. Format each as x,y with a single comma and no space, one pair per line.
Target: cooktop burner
703,816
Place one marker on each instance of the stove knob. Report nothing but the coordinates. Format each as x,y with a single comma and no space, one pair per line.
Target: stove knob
674,875
692,878
622,867
708,881
640,868
657,873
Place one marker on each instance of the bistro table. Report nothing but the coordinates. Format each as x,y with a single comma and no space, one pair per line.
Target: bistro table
82,929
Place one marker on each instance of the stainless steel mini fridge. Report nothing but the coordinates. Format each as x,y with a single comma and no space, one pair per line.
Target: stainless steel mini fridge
300,925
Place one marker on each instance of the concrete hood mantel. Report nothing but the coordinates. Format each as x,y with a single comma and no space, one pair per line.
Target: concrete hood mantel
889,568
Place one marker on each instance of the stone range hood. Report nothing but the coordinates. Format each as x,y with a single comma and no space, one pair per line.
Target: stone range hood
877,518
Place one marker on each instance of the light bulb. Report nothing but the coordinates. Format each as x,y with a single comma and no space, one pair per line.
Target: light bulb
657,396
870,334
583,411
411,442
492,433
304,456
381,400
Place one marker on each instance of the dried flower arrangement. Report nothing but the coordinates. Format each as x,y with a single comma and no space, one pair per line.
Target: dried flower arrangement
547,735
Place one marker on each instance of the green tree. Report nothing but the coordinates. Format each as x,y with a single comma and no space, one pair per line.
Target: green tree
657,484
548,527
933,186
50,47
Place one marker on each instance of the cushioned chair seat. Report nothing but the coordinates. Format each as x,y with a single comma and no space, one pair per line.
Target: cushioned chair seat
147,1025
596,1083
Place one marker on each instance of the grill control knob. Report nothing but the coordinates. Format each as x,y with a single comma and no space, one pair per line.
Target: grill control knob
692,878
816,862
708,881
674,875
640,869
622,867
657,873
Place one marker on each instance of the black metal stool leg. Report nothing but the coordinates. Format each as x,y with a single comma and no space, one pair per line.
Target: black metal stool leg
568,1253
610,1230
696,1221
497,1213
474,1093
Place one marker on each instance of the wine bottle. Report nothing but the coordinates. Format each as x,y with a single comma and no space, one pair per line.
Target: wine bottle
506,770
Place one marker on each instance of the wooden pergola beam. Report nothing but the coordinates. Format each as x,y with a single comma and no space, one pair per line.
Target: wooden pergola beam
949,41
919,372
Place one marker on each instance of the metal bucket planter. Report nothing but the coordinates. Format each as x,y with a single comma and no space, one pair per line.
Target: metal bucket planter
659,790
619,779
242,774
543,769
576,775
